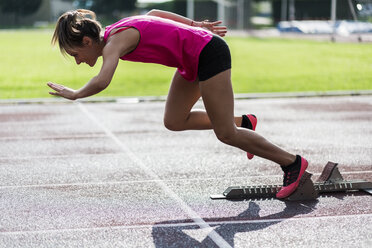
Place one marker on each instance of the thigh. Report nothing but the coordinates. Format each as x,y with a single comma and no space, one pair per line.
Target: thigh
181,98
218,98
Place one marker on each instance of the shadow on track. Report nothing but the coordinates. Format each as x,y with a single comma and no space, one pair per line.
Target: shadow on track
175,233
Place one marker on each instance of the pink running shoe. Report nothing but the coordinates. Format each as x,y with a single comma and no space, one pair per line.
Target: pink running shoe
292,176
251,124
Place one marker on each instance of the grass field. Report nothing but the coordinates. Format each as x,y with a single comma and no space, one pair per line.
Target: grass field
259,65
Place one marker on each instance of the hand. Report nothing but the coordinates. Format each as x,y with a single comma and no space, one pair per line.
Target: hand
212,26
62,91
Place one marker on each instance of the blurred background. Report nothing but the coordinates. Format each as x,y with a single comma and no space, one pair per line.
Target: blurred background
316,16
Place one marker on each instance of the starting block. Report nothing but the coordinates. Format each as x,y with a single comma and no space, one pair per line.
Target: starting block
330,180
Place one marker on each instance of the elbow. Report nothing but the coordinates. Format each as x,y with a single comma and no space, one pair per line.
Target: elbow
102,85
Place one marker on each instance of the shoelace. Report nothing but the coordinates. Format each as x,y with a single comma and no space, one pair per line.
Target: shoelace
290,177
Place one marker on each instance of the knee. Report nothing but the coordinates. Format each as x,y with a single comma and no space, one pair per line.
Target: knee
226,136
172,125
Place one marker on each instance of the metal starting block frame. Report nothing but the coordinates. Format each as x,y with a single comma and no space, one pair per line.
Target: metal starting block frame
330,180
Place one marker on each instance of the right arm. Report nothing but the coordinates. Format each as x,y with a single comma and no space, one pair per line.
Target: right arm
96,84
118,45
212,26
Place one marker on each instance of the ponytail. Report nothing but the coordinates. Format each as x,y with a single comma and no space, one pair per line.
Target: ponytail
72,26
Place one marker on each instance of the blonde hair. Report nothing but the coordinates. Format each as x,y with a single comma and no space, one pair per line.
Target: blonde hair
72,26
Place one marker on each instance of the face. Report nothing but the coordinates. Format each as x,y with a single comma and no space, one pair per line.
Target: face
88,53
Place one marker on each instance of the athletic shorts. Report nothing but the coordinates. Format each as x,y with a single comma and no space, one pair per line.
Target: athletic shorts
214,58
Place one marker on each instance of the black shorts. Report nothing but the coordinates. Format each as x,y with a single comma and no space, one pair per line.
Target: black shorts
214,58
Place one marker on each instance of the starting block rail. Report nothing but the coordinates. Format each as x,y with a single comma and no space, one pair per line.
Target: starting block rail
329,181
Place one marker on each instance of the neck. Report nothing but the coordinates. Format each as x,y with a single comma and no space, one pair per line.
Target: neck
100,47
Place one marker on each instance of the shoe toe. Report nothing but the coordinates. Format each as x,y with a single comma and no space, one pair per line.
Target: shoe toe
250,155
287,191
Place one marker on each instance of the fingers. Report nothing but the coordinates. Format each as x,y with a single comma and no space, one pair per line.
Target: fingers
55,87
216,22
209,25
212,26
54,93
62,91
219,30
220,27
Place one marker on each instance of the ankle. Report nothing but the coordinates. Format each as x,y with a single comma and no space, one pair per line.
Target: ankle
290,160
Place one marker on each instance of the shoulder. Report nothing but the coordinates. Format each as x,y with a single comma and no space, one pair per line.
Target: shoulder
124,35
123,42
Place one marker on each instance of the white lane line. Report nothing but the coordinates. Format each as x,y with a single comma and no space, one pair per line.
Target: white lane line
55,137
189,224
78,184
192,214
72,156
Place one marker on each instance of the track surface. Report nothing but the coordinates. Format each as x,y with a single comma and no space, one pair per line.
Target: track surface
110,175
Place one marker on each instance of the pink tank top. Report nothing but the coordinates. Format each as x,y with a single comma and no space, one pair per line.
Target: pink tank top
165,42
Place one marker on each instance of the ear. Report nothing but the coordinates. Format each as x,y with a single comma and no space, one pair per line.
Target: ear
87,41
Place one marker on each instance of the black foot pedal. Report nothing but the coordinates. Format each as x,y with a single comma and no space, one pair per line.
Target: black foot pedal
330,174
305,189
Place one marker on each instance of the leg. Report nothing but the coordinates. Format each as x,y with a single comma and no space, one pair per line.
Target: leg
181,98
218,99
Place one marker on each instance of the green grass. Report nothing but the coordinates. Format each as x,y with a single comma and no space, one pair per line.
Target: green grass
27,62
293,65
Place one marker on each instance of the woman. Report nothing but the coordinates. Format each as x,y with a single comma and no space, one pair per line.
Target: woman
203,65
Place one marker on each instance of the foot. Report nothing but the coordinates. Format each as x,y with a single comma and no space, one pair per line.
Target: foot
249,121
292,176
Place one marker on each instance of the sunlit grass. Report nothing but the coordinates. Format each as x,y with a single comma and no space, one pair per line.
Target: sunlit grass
27,62
292,65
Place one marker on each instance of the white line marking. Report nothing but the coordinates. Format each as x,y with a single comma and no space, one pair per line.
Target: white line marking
78,184
193,215
54,137
60,156
177,225
353,172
